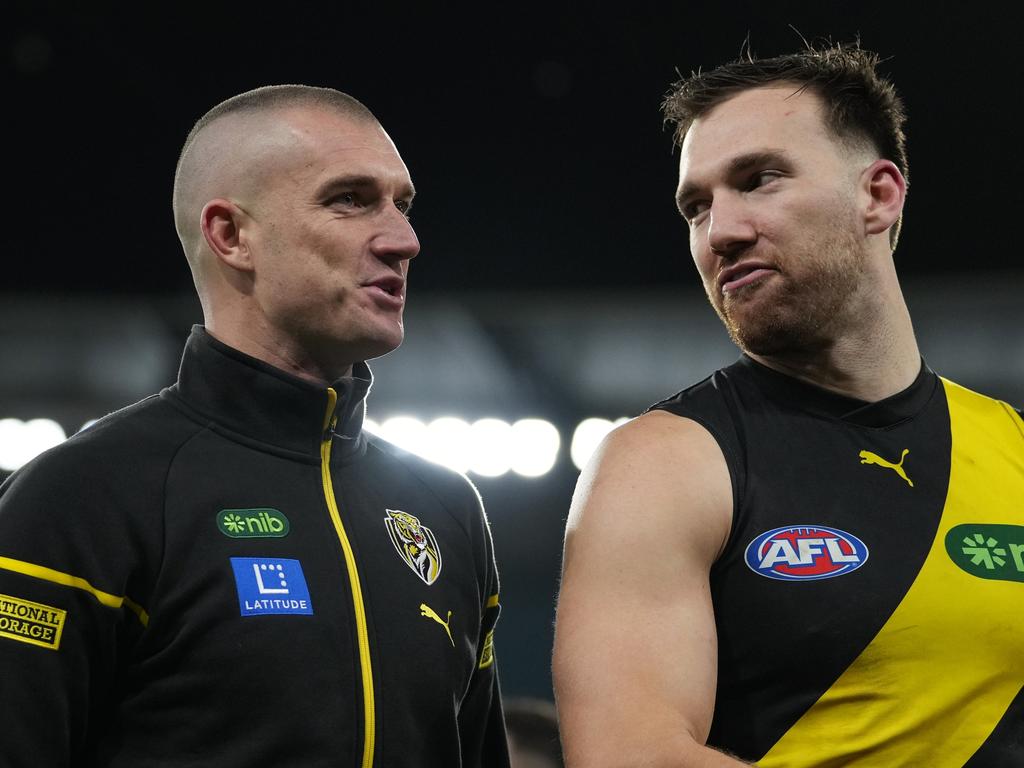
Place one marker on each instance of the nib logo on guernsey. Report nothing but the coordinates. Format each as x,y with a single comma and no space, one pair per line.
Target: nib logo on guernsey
270,586
805,552
988,551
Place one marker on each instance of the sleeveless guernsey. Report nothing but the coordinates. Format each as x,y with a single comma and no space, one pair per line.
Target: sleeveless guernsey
870,600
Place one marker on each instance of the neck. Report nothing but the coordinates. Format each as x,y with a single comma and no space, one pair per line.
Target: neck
872,357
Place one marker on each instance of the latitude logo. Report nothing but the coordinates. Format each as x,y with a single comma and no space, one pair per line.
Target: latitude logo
271,586
988,551
255,523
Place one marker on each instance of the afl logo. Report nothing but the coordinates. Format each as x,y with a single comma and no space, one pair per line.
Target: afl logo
805,552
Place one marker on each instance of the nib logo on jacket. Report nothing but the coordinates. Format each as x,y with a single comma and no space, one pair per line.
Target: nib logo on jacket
262,522
270,585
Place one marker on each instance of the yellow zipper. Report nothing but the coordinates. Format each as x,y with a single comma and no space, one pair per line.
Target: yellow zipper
369,714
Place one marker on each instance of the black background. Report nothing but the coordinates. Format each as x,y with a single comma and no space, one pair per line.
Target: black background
534,136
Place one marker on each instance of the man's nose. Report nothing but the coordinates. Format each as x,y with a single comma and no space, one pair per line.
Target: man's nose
730,226
396,240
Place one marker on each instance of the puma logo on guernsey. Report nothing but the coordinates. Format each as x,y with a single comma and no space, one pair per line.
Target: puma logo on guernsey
427,612
867,457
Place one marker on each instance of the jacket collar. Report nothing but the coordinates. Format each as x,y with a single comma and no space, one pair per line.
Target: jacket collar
259,403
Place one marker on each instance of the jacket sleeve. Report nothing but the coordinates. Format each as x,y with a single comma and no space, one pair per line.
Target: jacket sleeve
63,613
481,721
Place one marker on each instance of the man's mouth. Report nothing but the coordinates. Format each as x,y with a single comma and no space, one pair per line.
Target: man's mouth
740,275
389,286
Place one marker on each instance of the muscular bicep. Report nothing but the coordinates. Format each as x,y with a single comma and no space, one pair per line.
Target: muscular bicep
635,650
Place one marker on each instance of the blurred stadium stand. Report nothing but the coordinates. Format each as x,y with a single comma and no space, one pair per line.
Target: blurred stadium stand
560,356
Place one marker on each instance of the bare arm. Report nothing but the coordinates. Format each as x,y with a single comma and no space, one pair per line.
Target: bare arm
635,656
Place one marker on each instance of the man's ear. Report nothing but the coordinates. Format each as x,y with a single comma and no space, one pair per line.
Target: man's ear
221,222
886,190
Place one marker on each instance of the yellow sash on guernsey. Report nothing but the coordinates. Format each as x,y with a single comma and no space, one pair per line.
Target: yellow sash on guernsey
936,679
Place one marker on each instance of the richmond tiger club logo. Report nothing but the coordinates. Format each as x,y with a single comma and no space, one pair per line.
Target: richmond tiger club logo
415,544
805,553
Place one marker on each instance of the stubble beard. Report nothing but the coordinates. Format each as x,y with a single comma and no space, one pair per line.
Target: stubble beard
796,312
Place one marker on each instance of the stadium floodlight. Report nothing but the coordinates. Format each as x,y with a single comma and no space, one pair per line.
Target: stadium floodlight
535,444
408,433
450,443
492,447
491,440
588,435
21,441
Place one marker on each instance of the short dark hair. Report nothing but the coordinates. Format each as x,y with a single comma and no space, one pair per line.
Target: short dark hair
860,105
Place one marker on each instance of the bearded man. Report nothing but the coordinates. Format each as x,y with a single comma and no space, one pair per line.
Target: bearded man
813,557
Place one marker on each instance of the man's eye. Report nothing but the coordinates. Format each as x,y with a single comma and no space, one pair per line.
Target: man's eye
762,178
404,206
693,210
345,199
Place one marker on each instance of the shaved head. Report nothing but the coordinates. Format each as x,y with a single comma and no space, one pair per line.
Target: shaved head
232,148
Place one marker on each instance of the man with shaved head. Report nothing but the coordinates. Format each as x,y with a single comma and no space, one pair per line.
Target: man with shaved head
232,572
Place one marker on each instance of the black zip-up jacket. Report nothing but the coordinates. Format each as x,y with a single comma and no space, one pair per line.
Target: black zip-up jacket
232,573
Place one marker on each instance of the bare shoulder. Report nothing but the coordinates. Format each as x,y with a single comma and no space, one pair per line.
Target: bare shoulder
651,513
658,470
